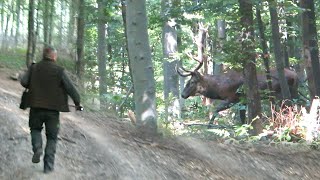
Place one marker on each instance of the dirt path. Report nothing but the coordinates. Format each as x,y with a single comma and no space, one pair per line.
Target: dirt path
95,146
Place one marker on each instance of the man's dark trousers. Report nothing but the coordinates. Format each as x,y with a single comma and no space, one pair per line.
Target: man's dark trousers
50,118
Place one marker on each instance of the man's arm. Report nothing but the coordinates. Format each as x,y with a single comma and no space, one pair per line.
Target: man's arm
71,90
24,81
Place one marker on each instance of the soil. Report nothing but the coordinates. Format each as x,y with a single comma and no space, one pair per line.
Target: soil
96,146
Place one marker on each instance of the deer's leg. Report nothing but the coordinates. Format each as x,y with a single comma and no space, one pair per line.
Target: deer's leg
242,112
222,106
242,116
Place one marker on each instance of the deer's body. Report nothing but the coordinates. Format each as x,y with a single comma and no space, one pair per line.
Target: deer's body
225,86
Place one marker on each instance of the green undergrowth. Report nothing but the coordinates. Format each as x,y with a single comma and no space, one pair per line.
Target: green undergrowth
290,125
13,59
16,60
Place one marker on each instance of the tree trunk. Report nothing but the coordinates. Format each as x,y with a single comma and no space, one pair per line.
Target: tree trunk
171,79
111,76
124,18
181,79
51,25
291,41
62,14
46,22
80,39
17,35
37,24
2,15
71,26
277,50
265,55
31,34
14,13
310,47
221,26
142,68
102,55
5,36
248,59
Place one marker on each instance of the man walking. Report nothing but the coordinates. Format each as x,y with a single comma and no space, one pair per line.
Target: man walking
49,87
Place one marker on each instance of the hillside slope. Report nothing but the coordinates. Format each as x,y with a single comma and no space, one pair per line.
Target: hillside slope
95,146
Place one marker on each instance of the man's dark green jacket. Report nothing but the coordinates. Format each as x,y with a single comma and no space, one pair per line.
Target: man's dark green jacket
49,86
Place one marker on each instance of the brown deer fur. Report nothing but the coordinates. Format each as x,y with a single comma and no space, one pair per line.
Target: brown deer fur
225,86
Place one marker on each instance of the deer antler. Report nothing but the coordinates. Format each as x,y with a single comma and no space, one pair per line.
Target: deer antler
198,60
180,73
189,71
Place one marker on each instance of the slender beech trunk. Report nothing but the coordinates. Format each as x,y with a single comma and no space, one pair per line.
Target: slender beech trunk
5,36
62,14
2,14
124,16
102,55
171,79
14,14
142,67
250,74
31,34
51,25
46,22
265,55
71,26
277,50
17,35
310,47
80,39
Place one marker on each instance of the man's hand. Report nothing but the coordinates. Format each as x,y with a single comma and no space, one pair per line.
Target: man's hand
79,108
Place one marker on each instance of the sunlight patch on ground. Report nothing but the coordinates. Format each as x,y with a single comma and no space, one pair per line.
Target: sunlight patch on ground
70,117
6,108
26,130
10,93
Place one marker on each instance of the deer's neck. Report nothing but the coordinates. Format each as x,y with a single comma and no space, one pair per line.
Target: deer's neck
210,90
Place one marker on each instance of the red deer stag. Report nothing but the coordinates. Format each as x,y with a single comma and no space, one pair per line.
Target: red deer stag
225,86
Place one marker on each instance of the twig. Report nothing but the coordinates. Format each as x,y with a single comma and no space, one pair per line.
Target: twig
141,141
127,95
17,138
67,139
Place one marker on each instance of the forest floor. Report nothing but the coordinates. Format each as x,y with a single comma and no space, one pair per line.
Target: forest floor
95,146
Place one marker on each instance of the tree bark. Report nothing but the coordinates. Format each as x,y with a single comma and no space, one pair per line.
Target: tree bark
3,15
80,39
51,25
277,50
142,68
5,36
71,26
31,34
13,19
221,26
17,35
265,55
248,59
102,55
124,18
310,47
61,23
46,22
171,79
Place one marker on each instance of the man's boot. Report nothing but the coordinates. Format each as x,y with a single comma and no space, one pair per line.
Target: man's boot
36,141
49,156
36,156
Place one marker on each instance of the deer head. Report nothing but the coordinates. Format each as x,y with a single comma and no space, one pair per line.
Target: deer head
192,86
